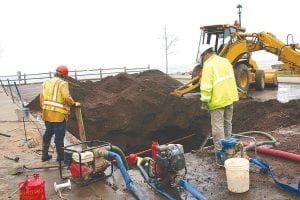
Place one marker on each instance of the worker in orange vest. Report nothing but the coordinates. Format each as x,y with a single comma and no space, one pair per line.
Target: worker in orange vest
55,100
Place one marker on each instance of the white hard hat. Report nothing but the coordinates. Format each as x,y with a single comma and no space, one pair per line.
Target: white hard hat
204,48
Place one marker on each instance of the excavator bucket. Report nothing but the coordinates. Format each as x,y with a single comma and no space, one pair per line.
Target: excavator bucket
187,87
195,83
243,94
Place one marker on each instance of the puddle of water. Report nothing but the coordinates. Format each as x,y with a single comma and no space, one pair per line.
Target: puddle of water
287,92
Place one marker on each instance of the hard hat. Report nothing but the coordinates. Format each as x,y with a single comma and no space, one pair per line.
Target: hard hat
204,48
63,69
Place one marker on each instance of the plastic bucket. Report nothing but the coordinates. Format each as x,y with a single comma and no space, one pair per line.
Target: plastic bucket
237,173
22,114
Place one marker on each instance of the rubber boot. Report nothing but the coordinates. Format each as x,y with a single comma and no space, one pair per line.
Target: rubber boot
45,155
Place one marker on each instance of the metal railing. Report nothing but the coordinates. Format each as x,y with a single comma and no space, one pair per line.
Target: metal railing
92,74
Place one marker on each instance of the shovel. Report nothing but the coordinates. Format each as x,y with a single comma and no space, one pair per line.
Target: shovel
80,125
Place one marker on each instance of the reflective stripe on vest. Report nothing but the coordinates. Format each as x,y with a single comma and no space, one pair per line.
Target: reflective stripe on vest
206,86
54,95
218,78
54,104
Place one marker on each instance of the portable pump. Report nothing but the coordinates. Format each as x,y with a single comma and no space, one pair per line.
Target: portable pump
230,147
89,165
168,162
171,157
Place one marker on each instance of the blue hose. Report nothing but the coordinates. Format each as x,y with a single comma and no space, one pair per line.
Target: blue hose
283,186
186,185
127,179
153,185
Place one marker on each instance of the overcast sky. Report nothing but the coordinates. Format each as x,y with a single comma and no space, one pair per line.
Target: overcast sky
38,35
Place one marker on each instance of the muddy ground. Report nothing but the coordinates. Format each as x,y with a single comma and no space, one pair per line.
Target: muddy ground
202,172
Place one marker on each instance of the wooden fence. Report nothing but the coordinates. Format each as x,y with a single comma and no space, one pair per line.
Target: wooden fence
92,74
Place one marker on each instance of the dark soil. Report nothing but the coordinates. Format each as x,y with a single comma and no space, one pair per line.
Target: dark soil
132,110
265,116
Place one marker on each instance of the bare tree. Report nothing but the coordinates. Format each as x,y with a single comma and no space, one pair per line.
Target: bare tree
1,49
169,41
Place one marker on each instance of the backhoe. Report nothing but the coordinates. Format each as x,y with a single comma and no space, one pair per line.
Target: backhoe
233,43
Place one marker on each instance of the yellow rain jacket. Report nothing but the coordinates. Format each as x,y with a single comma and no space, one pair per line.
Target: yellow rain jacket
218,86
55,100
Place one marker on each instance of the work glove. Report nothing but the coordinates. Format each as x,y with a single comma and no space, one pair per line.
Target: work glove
76,104
204,106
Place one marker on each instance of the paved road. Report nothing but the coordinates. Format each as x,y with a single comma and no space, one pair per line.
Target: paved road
8,108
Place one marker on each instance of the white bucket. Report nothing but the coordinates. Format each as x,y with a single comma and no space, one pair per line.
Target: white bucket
237,173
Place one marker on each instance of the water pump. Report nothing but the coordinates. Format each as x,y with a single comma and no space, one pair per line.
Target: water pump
168,164
88,165
228,148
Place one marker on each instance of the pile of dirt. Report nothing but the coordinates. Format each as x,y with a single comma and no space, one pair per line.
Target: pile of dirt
265,116
132,110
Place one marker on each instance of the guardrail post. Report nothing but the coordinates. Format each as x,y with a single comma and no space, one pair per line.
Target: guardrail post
19,94
101,74
50,75
125,69
19,76
3,87
12,96
75,74
25,79
148,66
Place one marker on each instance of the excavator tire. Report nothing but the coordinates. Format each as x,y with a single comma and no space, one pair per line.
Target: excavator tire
196,71
242,76
259,80
275,81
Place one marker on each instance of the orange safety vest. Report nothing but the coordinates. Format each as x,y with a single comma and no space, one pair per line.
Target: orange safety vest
52,98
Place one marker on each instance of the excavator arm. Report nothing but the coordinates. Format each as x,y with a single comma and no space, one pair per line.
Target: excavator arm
242,43
187,87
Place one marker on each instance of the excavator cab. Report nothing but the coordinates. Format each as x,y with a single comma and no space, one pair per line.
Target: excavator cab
219,36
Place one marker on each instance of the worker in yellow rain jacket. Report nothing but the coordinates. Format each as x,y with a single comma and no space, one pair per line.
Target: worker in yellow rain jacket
55,100
218,92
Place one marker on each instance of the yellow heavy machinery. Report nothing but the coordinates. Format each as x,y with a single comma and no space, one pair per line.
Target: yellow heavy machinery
233,43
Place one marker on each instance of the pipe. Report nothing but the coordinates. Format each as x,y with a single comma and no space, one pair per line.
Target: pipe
186,185
271,140
129,183
118,151
278,153
140,163
264,150
42,167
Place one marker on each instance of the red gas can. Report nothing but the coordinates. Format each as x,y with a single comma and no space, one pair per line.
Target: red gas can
32,189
